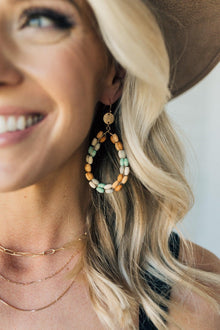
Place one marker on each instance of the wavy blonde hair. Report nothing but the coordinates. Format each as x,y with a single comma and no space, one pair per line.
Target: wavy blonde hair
128,232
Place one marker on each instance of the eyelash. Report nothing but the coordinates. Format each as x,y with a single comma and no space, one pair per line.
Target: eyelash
60,21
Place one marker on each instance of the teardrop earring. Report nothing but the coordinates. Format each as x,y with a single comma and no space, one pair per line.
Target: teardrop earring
123,161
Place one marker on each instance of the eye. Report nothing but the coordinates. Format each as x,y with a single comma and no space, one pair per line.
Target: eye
41,21
45,18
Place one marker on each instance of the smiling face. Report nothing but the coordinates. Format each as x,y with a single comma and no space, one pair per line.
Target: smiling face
51,63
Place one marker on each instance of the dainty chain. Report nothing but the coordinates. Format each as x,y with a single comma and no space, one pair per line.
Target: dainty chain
43,253
40,308
43,279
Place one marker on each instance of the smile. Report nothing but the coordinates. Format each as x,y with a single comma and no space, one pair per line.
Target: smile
18,123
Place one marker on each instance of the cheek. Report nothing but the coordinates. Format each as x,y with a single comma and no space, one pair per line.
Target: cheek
63,80
69,76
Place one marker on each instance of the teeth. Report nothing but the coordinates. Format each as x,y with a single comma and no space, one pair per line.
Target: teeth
12,123
29,121
21,123
2,125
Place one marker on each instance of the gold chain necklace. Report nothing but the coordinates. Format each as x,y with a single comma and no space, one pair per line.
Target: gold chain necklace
30,254
40,308
43,253
43,279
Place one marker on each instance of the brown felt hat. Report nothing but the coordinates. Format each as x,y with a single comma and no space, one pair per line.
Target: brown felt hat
192,34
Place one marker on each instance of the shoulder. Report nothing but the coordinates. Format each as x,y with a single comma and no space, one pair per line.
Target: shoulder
201,258
190,310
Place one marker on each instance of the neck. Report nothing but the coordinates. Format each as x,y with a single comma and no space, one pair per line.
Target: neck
47,214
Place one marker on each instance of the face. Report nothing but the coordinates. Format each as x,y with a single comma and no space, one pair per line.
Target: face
51,65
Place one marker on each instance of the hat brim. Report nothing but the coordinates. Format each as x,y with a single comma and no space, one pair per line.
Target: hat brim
192,35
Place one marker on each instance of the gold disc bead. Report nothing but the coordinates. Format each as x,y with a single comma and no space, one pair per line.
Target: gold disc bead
109,118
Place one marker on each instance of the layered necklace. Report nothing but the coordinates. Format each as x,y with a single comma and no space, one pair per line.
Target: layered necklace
48,252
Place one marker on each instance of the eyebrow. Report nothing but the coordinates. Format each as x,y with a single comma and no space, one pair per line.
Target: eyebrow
72,2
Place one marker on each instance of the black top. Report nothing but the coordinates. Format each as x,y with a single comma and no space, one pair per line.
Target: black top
160,287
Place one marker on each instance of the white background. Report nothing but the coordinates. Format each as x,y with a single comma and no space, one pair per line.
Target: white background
196,115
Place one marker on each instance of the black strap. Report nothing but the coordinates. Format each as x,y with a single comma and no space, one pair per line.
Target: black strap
158,286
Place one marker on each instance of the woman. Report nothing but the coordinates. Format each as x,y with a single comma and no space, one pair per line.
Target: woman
77,253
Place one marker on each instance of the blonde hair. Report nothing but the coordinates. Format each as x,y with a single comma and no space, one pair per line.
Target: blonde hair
128,232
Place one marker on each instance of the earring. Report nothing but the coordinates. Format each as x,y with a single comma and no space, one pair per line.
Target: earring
123,161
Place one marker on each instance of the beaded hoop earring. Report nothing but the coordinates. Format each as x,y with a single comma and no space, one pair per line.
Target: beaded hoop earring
123,161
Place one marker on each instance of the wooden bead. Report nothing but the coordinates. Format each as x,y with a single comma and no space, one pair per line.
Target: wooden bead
96,182
124,180
103,139
108,186
127,170
122,154
122,169
88,168
114,138
120,178
97,146
89,159
118,188
94,142
92,185
89,176
99,135
109,191
118,146
115,184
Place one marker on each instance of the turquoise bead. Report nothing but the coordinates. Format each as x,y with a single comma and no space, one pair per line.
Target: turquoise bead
100,190
92,151
122,161
101,185
126,163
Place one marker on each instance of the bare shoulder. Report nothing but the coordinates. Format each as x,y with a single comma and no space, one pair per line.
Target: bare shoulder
203,258
191,311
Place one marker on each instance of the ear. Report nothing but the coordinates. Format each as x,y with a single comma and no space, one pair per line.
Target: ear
113,85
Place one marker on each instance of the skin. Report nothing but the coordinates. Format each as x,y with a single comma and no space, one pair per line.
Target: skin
43,191
62,73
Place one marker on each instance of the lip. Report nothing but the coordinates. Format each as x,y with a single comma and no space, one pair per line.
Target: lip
11,138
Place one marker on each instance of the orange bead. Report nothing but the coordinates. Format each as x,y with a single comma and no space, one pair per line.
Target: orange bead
103,139
118,188
88,168
120,178
119,146
115,184
114,138
99,135
125,179
89,176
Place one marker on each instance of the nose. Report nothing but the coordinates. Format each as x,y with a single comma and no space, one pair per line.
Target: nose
9,74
